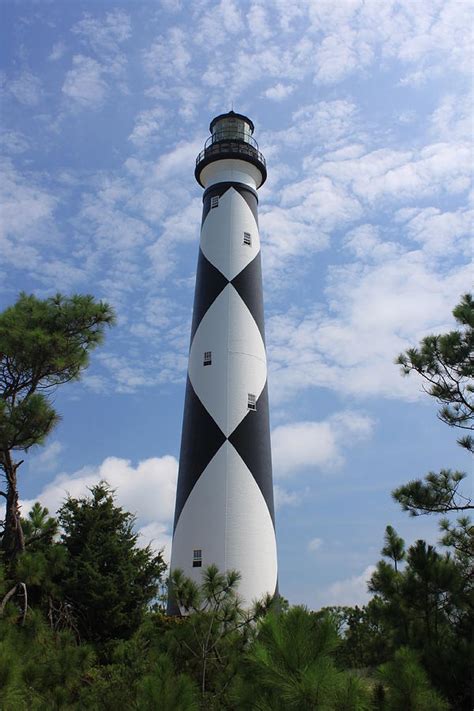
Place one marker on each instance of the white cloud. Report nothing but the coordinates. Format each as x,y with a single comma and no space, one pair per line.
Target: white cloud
47,458
283,497
452,120
407,117
350,591
148,125
442,234
300,225
127,374
326,123
58,50
365,243
13,142
180,227
168,56
401,175
147,490
96,383
171,5
218,23
26,88
300,446
340,54
27,210
315,544
104,35
84,83
378,308
177,160
278,92
259,23
424,38
158,536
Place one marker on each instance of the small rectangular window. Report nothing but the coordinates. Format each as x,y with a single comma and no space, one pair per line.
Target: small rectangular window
197,558
252,402
214,201
207,358
248,239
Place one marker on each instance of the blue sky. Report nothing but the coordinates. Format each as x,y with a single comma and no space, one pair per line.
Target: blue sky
363,111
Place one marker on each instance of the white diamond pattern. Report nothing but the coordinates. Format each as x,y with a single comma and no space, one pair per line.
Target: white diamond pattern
238,360
232,217
237,521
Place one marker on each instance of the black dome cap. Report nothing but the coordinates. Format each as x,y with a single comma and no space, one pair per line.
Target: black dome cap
231,114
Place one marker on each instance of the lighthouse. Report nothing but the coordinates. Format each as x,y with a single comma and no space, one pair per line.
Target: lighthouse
224,511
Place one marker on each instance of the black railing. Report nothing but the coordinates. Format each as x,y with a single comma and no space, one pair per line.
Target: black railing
233,146
230,134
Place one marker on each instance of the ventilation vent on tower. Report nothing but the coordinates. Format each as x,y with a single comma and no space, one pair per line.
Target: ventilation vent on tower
248,239
197,558
215,201
252,402
207,358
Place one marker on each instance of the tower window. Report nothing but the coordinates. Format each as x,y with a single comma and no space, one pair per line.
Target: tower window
197,558
214,201
207,358
248,239
251,402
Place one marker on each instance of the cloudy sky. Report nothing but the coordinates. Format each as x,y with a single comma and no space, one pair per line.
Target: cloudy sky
362,109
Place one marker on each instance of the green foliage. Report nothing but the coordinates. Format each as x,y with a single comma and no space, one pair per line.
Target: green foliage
460,537
114,683
109,580
438,493
407,686
446,363
39,527
352,695
290,665
43,343
27,423
40,670
428,606
47,342
364,638
218,592
165,690
394,546
434,594
215,632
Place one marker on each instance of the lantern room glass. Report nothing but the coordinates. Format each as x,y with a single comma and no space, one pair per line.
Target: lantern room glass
231,129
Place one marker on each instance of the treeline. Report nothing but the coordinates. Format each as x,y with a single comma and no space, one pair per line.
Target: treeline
82,606
85,628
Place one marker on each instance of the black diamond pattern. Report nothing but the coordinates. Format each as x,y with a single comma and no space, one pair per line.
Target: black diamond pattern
248,285
219,189
251,201
201,436
200,440
209,284
251,439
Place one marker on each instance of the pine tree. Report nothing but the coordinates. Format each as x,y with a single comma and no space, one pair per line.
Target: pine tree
394,546
108,580
43,344
446,364
427,606
406,685
290,665
215,630
165,690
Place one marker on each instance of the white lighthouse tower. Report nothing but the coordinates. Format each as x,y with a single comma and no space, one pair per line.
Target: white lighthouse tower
224,502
